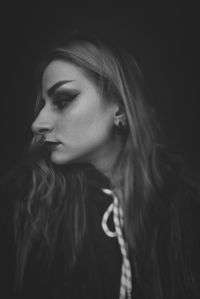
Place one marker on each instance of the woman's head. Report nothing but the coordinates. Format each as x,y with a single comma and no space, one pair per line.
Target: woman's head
76,116
85,88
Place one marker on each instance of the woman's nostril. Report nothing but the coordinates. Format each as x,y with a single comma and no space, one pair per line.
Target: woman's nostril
39,128
42,131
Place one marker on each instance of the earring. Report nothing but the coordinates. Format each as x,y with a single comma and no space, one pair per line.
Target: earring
121,127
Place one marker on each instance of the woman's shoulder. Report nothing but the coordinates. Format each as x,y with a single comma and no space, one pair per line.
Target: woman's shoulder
185,206
180,190
176,180
179,231
180,202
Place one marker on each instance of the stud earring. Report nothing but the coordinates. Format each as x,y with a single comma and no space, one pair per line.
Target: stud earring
121,128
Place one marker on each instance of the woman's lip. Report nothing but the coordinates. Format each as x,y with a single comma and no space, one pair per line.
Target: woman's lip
49,141
51,144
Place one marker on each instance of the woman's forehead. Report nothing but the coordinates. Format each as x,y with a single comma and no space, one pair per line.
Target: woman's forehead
60,70
65,74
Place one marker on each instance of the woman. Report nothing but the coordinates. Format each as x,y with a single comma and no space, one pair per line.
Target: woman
101,209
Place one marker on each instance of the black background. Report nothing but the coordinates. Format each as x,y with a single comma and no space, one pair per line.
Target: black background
163,36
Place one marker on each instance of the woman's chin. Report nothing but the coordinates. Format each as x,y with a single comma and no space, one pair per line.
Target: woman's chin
60,159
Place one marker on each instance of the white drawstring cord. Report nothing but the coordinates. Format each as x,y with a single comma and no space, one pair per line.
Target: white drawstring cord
126,279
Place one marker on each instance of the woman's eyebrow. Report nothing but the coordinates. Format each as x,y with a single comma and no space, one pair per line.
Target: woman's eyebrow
55,86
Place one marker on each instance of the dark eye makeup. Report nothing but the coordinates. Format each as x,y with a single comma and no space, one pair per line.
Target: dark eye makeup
62,98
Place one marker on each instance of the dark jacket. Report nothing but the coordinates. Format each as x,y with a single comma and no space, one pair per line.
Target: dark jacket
98,268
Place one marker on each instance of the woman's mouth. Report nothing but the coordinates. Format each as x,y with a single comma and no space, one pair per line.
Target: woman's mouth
51,145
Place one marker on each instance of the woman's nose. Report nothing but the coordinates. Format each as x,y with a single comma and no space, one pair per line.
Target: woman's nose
42,125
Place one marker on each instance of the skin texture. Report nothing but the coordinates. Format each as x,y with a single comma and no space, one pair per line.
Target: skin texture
76,115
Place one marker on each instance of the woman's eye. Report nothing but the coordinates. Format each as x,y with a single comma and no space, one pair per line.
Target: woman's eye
62,102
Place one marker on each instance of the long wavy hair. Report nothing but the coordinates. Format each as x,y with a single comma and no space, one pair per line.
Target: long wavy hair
54,200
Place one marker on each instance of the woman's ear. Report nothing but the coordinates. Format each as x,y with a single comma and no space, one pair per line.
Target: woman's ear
120,115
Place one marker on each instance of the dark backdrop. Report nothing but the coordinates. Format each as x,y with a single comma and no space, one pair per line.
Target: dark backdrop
162,35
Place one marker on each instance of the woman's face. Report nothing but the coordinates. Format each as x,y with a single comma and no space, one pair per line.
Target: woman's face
74,116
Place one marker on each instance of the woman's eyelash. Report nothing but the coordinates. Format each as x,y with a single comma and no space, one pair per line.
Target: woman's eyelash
62,101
